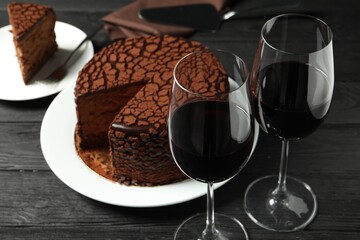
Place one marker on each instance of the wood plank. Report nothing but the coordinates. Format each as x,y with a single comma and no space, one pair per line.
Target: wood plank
20,147
35,204
151,232
21,111
23,204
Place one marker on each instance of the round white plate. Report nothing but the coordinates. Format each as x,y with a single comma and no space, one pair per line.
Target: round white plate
58,147
12,86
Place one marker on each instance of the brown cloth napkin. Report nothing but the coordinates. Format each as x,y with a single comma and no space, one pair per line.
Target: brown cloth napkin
125,22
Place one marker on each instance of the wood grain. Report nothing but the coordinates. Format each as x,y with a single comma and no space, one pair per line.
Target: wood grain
35,204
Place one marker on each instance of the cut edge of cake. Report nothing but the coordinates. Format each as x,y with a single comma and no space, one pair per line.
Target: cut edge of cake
33,36
100,74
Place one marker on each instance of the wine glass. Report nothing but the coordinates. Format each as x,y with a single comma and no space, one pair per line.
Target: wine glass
292,83
211,132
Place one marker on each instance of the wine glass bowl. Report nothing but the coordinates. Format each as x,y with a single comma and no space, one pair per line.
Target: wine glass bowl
292,83
211,132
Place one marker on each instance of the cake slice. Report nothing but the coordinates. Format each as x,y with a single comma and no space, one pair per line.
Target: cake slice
122,98
33,34
106,88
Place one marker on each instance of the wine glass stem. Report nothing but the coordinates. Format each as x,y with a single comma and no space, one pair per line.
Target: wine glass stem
210,230
281,187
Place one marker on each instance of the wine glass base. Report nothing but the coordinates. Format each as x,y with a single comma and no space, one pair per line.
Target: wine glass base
288,211
227,227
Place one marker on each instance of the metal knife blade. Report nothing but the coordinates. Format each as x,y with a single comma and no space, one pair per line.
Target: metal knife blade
205,17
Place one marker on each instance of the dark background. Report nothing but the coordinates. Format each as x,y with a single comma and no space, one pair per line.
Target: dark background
35,204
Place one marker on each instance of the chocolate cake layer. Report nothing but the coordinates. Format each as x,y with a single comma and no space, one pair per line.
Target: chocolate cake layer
24,16
122,98
138,135
34,37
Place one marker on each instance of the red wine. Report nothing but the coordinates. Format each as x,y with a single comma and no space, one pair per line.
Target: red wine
291,99
207,142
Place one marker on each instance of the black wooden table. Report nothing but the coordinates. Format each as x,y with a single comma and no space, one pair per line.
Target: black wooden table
35,204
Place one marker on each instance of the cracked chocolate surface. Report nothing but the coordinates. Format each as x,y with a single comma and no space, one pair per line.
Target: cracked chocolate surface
150,105
137,131
33,36
25,15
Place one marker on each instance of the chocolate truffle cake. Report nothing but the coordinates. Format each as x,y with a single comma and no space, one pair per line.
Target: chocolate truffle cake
138,135
122,98
34,37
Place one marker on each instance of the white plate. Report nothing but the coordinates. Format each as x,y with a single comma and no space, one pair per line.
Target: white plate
12,86
57,144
